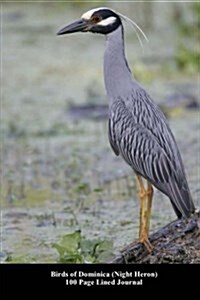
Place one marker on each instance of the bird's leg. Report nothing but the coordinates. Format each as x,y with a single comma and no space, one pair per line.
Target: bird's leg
149,204
142,195
143,231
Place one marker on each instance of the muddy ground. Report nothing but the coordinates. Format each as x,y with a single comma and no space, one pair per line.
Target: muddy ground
59,173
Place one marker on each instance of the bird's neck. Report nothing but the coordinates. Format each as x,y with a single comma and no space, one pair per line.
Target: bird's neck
117,75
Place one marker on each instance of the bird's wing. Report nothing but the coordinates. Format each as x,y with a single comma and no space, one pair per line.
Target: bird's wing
143,153
140,133
148,115
134,141
112,138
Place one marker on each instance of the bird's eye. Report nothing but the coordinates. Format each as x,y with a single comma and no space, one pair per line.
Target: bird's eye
95,19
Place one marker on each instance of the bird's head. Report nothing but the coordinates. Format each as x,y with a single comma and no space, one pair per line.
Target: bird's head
99,20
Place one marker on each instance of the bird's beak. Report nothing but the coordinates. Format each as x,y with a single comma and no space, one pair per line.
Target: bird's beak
79,25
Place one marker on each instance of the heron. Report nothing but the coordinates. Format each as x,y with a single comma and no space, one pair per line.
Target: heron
138,131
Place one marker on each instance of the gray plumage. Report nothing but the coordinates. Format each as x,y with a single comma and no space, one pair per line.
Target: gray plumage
139,132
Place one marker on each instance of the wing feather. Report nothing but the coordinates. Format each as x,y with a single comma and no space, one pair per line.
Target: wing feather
140,133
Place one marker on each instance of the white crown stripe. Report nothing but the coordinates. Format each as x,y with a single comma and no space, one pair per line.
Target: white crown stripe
110,20
87,15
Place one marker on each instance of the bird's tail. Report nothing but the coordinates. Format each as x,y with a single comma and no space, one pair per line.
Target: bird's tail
181,199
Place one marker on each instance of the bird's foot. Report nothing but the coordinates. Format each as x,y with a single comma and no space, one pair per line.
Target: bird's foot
147,244
143,241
